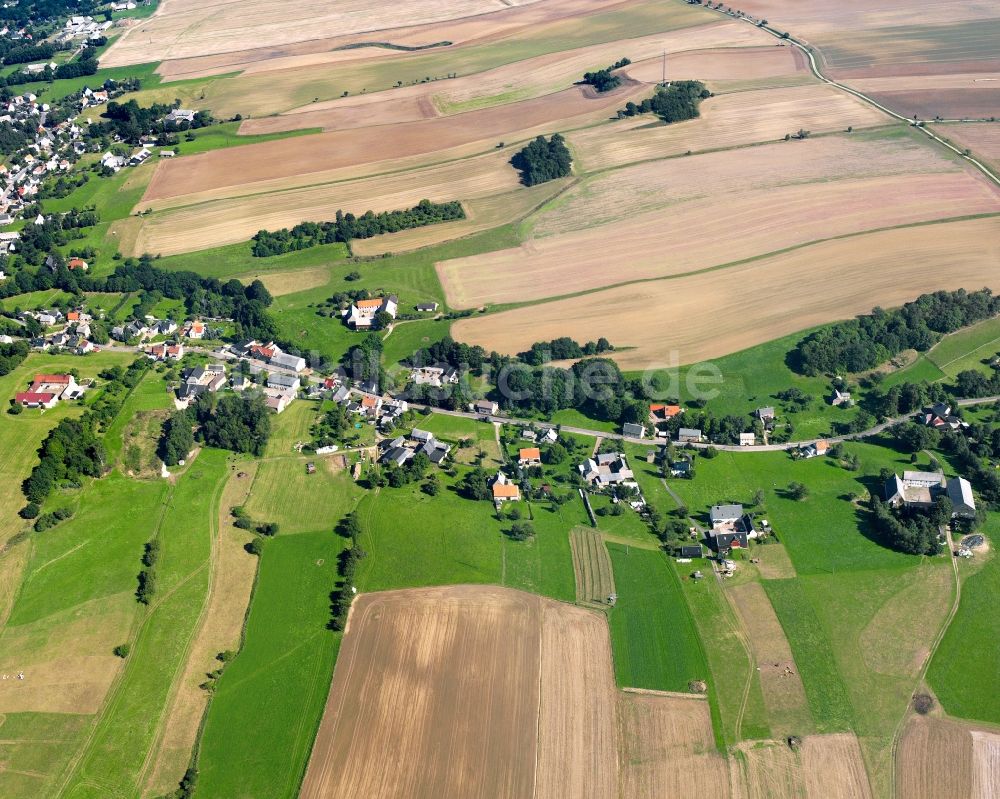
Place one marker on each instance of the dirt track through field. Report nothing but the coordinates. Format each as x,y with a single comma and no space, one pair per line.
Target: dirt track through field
731,309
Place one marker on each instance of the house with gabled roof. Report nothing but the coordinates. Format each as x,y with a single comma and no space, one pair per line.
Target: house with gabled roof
659,412
607,469
504,490
730,527
361,315
529,456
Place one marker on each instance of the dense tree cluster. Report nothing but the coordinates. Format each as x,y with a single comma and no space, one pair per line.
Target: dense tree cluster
867,341
604,80
564,348
236,423
130,121
348,227
673,103
347,567
543,160
972,454
12,356
69,453
15,136
910,530
176,439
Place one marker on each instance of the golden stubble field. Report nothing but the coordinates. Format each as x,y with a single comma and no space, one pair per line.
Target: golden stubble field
946,759
488,692
677,216
190,28
714,313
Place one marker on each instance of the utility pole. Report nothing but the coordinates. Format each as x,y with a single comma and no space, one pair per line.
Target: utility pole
664,81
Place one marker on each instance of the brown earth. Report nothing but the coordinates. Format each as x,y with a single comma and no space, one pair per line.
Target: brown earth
824,767
548,722
784,694
979,103
986,771
756,302
244,166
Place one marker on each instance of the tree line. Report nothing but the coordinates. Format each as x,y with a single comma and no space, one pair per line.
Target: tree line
674,103
563,348
347,227
866,341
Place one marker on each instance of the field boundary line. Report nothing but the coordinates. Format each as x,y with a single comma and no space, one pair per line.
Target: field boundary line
672,694
501,307
215,530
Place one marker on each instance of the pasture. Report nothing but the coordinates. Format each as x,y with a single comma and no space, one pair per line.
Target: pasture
756,301
653,636
277,684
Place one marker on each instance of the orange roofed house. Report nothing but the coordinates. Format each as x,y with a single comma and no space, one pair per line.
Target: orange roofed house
529,456
504,490
661,413
363,312
46,391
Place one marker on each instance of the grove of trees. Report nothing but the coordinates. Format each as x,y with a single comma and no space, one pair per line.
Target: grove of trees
543,160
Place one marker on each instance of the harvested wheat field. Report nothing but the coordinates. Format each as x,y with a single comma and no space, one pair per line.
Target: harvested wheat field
986,771
982,138
595,580
727,120
307,155
187,28
747,63
313,51
694,236
935,760
667,748
981,103
621,194
758,301
784,695
226,221
547,722
824,767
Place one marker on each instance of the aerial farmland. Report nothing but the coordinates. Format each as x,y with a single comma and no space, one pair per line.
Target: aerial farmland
511,399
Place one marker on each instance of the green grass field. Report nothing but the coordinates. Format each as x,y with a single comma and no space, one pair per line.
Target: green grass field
966,670
653,638
235,260
301,502
261,722
967,349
